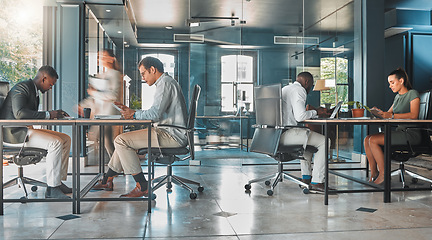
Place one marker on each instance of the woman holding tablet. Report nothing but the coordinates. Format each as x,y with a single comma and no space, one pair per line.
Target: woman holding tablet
406,105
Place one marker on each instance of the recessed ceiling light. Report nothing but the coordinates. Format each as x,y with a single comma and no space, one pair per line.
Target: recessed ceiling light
119,31
108,10
194,24
169,27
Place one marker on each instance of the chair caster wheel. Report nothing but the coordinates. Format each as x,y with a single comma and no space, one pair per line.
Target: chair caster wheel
200,189
270,192
169,185
23,199
34,188
306,190
267,183
414,180
193,195
248,186
153,197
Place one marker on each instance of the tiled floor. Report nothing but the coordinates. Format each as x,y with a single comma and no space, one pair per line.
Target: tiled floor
223,210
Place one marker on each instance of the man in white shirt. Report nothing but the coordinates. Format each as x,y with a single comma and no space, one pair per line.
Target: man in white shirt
293,111
169,107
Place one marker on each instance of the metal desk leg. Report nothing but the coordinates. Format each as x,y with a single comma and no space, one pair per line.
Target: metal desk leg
241,133
326,181
247,134
1,172
149,170
75,171
101,148
387,163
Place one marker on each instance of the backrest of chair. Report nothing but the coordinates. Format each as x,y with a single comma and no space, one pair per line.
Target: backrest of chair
4,89
268,104
268,107
425,105
191,118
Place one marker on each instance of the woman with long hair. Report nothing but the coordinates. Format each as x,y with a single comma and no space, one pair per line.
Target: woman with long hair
102,97
406,105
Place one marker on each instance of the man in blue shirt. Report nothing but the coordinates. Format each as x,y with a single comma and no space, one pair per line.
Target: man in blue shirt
169,107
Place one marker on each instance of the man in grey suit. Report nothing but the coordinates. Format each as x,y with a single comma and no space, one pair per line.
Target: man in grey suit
22,102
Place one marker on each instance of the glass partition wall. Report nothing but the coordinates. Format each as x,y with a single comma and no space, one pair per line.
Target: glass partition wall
228,47
333,58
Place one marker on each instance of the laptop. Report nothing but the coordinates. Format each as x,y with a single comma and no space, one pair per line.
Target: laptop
335,111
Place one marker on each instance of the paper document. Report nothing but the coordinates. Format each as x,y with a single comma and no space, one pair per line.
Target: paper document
98,83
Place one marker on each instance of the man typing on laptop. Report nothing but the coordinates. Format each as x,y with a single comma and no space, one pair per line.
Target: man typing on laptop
294,111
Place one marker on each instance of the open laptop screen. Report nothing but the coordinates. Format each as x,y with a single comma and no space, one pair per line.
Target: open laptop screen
336,109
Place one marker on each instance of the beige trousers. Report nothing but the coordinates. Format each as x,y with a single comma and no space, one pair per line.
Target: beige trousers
125,158
58,146
298,136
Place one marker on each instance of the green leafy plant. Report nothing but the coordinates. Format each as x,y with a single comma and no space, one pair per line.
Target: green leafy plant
358,105
134,102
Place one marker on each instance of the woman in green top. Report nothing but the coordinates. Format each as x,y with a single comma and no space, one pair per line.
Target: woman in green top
406,105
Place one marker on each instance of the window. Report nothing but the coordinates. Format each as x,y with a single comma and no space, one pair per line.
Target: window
20,39
237,82
148,92
336,69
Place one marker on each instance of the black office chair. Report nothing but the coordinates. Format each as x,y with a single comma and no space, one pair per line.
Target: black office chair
168,156
20,155
268,129
402,153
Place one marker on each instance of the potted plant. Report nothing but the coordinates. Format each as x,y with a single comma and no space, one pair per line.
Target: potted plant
135,104
358,111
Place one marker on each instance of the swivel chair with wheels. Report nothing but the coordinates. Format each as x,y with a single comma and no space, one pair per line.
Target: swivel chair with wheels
402,153
21,155
268,129
167,156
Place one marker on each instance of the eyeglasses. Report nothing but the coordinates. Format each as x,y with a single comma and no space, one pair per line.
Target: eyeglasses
143,72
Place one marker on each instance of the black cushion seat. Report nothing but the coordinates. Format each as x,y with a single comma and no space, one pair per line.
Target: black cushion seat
166,151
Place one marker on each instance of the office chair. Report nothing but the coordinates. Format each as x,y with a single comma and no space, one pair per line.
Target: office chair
402,153
21,155
268,129
167,156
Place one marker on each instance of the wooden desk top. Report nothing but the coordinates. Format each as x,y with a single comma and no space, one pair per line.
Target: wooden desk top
75,121
367,121
223,117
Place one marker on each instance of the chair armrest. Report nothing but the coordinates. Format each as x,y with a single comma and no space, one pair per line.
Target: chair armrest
174,126
278,127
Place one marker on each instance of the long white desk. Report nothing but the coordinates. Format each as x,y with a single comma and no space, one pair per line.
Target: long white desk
387,124
77,193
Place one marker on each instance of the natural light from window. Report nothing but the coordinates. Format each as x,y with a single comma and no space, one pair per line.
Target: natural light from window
148,92
237,78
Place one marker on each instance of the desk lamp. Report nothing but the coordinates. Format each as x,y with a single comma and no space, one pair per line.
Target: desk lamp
324,85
